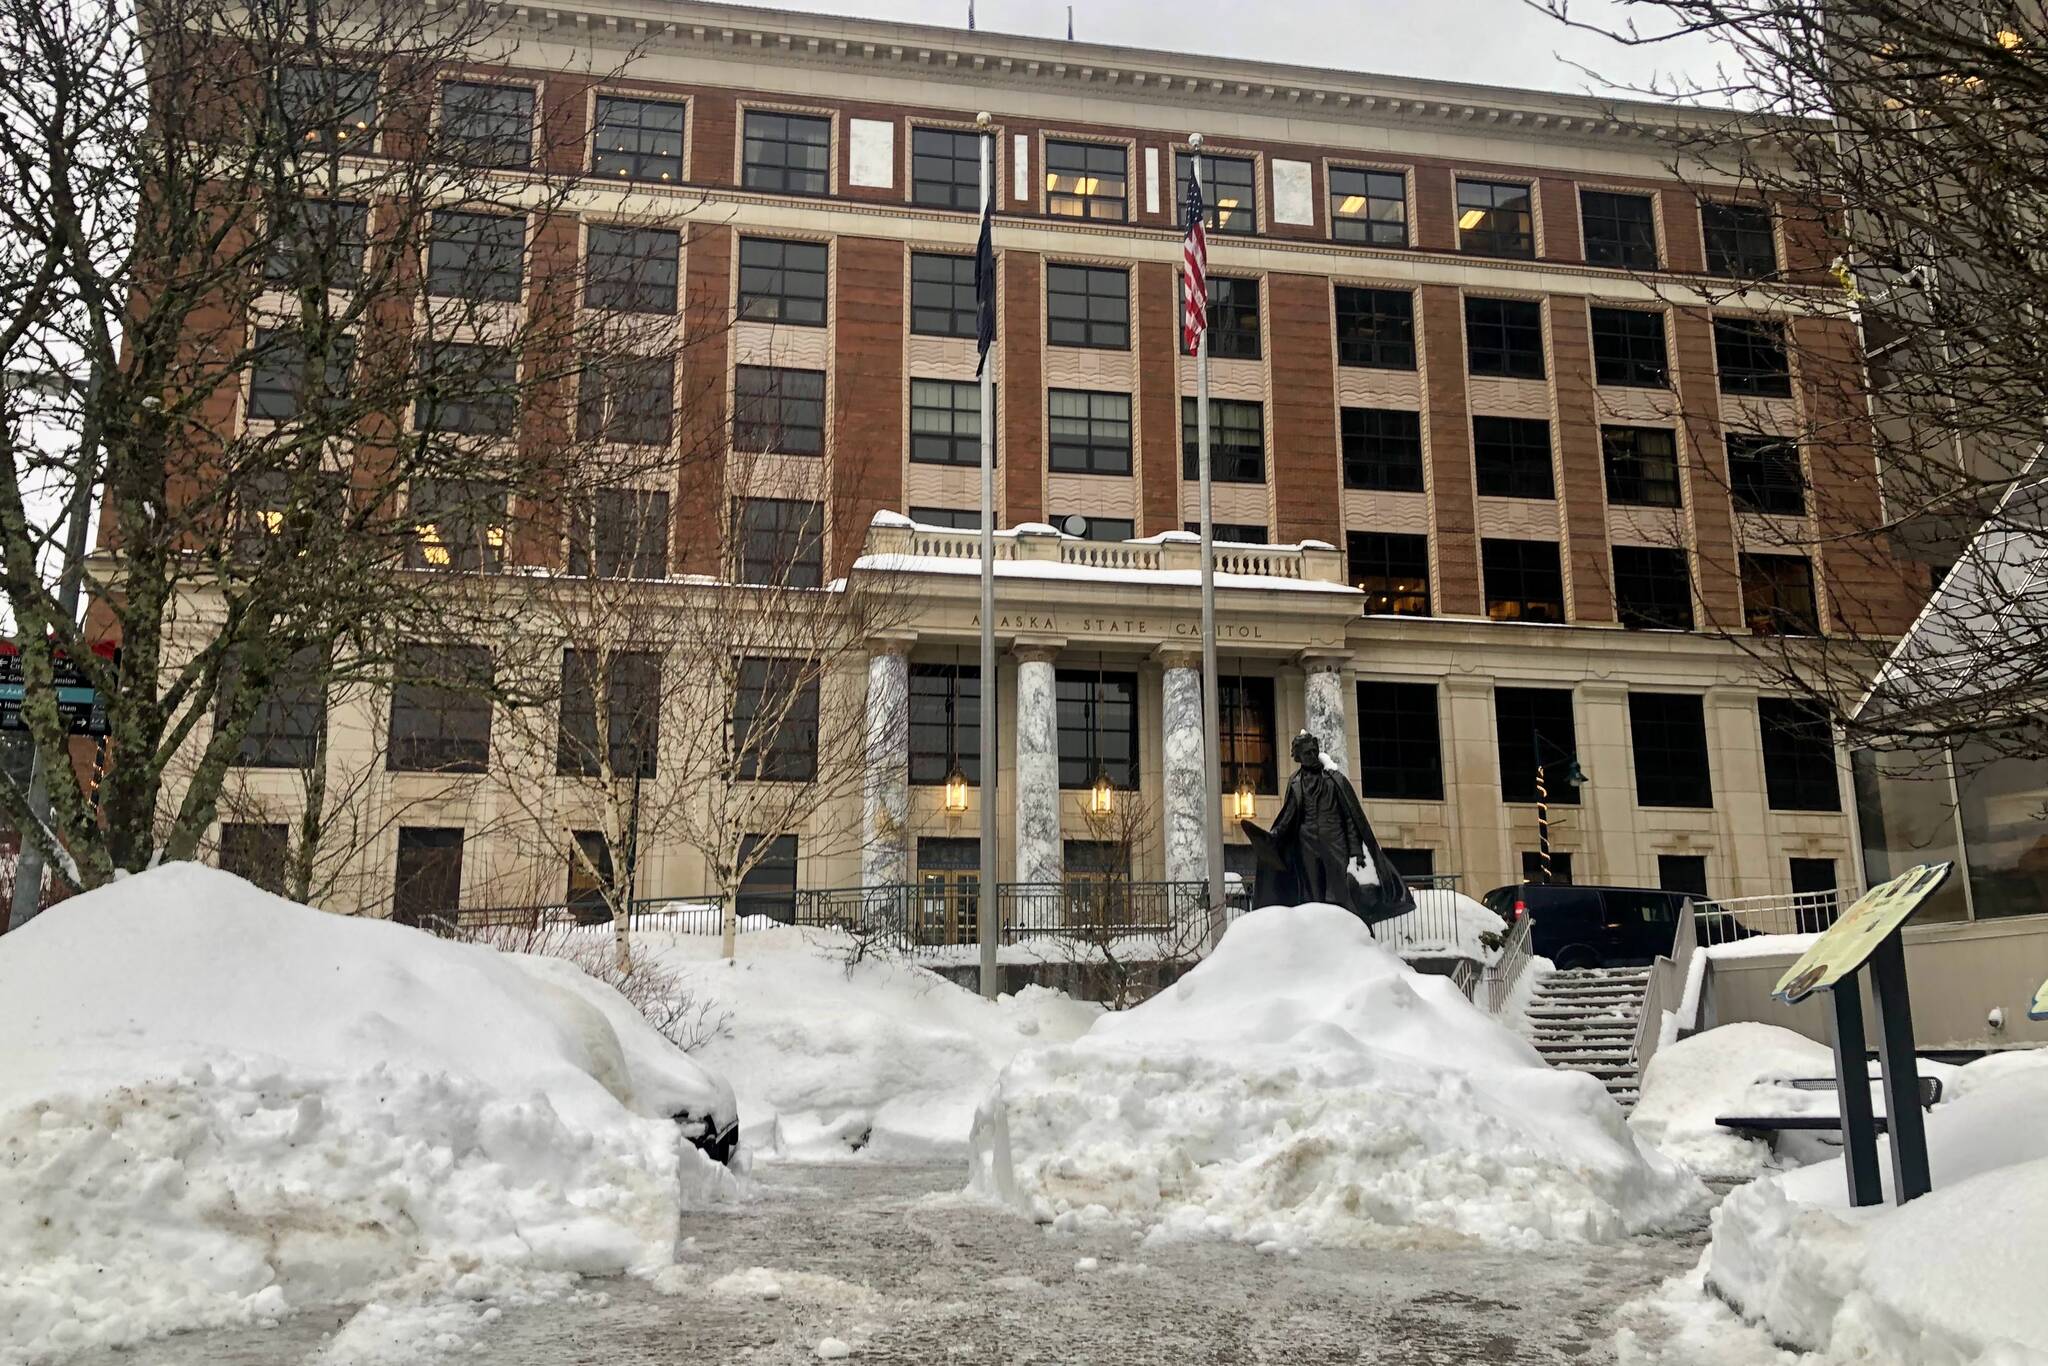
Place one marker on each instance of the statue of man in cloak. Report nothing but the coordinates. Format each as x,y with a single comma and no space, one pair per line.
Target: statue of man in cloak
1321,848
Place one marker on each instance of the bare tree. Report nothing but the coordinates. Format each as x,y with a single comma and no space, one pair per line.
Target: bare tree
1136,935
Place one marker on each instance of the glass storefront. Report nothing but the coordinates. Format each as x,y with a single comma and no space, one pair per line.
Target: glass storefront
1987,813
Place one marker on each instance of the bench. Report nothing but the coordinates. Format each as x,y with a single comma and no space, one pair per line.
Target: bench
1930,1096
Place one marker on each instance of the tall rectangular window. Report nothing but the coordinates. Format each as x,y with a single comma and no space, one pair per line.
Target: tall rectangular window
1400,748
280,375
782,282
1669,731
591,883
945,422
631,270
1233,319
426,886
456,524
942,299
1799,755
1382,449
779,411
256,853
1376,328
1106,529
487,125
1088,432
441,710
1088,306
775,721
1628,348
945,168
318,245
1642,466
1369,206
1750,354
1512,457
787,153
768,887
285,729
1248,733
779,541
630,745
1230,196
480,256
1686,873
1777,595
638,140
1237,441
1392,570
328,108
1523,581
1764,475
1619,229
620,534
1529,722
1739,240
627,400
1504,337
1652,588
945,723
1098,728
1495,219
471,388
1085,180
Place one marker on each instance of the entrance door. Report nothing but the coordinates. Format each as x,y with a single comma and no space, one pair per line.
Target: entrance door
428,886
948,891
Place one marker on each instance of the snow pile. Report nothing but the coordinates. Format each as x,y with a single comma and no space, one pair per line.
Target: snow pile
1303,1085
217,1106
1445,924
833,1056
1736,1069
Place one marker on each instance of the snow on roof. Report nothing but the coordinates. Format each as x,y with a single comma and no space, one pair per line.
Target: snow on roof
1086,573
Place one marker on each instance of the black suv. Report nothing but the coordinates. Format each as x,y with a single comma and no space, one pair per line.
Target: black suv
1590,927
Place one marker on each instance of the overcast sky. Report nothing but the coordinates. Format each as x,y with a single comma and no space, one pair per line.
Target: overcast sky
1492,42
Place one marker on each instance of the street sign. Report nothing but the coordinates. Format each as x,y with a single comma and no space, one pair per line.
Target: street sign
83,710
1861,928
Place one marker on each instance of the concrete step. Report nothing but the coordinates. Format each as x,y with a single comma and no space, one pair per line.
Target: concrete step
1622,1048
1594,1063
1600,975
1561,1014
1547,993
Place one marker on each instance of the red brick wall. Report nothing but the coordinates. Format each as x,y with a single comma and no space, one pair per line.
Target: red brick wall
867,384
1583,485
1021,391
1456,541
1716,567
701,429
1158,399
1560,203
1306,473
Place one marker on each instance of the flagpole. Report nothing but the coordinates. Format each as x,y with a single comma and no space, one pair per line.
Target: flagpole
1212,754
990,908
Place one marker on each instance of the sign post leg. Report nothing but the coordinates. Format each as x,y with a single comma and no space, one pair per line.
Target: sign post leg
1910,1175
1852,1086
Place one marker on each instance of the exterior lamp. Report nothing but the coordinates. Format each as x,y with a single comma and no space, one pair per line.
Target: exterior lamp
1102,796
956,793
1243,802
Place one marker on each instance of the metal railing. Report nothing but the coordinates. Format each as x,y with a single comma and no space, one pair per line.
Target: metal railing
1746,917
1665,990
1509,966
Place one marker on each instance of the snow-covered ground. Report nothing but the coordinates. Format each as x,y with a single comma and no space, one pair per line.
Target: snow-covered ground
1304,1086
217,1106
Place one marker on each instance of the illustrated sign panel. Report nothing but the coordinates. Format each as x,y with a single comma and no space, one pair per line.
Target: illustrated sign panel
84,711
1849,941
2038,1009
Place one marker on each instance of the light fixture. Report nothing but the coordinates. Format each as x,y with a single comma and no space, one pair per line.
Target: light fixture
2008,39
1243,802
1471,219
1351,205
956,792
1102,796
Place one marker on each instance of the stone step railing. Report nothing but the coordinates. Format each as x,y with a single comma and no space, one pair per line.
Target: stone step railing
1310,561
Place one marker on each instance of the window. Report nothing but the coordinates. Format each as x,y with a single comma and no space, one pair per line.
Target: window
1523,582
1777,595
1098,728
620,534
632,712
1392,570
285,729
278,375
1494,219
457,524
1102,528
1414,865
326,108
1512,455
1652,588
300,505
1376,328
627,400
1812,876
471,388
480,256
1628,348
1237,441
320,246
1642,465
788,153
1528,721
775,722
592,883
1233,319
1088,306
782,282
945,422
1764,475
1369,207
1382,449
942,299
632,270
779,541
1739,240
778,410
427,884
768,887
1669,731
957,519
1229,192
1230,533
945,168
945,723
1088,432
1620,229
255,853
1248,734
1094,871
488,125
1400,752
1750,353
638,140
1504,337
1085,180
1560,866
441,710
1685,873
1799,755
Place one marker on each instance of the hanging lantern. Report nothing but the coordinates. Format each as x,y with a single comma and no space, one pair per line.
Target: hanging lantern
1244,802
1102,796
956,793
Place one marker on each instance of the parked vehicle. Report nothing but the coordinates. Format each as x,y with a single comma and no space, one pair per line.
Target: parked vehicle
1590,927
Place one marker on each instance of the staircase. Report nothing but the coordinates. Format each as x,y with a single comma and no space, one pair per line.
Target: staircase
1584,1020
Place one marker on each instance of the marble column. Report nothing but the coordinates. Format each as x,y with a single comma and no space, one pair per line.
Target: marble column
1187,839
1324,705
1040,857
885,790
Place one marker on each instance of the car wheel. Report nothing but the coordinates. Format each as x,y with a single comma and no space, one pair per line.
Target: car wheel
1576,957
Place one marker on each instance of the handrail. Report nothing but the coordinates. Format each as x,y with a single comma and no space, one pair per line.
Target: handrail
1509,966
1666,987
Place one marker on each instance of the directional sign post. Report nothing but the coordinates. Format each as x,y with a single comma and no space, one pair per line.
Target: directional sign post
82,708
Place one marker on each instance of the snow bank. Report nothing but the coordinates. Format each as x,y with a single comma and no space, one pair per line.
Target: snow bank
832,1057
1303,1085
217,1106
1736,1069
1445,923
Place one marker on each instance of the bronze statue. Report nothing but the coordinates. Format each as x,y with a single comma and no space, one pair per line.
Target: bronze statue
1322,848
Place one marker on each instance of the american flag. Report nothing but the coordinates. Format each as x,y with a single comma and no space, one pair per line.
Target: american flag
1194,272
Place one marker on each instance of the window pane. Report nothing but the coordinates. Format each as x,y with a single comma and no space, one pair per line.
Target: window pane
1750,353
1088,432
945,723
1642,466
631,269
1764,475
1233,319
1392,571
638,140
1369,207
1652,588
1529,722
779,541
787,153
480,256
945,422
1669,731
1628,348
1619,229
1504,337
320,245
1088,306
782,282
779,411
441,710
1237,441
775,721
456,524
487,125
1376,328
1400,750
1739,240
1799,755
1523,581
1494,219
1512,457
1085,180
942,298
1229,192
945,168
1098,728
1777,595
1382,449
